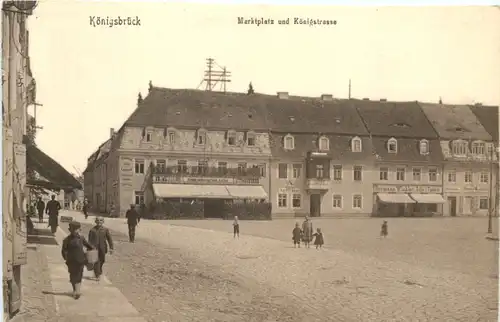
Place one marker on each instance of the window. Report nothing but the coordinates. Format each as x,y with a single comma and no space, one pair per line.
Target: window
320,171
324,143
433,172
478,148
289,142
231,138
250,139
392,145
417,174
357,202
242,168
459,147
484,177
182,166
452,176
483,203
165,132
171,137
282,200
222,167
296,198
149,137
468,177
139,166
384,174
161,165
356,145
201,137
297,169
202,167
337,201
400,174
282,170
357,173
337,172
139,197
262,168
424,147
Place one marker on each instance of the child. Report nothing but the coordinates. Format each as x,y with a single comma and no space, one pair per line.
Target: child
296,235
236,227
383,231
73,254
319,240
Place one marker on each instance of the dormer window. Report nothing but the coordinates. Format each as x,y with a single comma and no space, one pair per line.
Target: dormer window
392,145
459,147
201,137
478,148
231,138
250,138
424,147
289,142
356,145
324,143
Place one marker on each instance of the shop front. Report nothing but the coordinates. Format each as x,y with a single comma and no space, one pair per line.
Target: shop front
407,200
467,200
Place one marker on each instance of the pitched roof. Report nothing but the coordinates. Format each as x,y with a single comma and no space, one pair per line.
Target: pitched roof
488,116
47,167
202,109
407,150
397,119
455,122
97,154
340,147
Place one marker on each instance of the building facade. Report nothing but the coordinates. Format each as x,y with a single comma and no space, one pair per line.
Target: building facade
468,151
408,161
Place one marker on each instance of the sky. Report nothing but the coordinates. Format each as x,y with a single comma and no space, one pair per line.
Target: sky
88,77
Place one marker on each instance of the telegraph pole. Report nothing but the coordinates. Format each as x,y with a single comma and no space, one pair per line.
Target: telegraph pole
34,116
213,77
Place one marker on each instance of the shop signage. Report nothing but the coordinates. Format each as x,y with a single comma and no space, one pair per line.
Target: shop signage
127,165
194,180
406,189
288,190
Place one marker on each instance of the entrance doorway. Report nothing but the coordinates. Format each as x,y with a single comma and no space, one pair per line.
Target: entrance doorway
214,208
452,206
315,205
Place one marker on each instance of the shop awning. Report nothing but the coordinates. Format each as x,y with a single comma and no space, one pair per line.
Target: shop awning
427,198
247,192
395,198
164,190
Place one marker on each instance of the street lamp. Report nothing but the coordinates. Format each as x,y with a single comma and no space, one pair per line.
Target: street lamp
493,150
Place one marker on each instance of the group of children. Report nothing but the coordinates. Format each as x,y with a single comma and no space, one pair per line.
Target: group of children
299,236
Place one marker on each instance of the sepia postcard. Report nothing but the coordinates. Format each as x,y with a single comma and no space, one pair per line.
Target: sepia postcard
184,162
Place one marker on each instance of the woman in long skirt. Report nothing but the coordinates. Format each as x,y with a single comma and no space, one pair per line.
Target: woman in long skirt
307,232
74,255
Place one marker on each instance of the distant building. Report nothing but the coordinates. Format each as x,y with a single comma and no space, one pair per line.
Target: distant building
467,149
408,159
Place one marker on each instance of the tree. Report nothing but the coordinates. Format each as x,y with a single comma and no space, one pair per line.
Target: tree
250,89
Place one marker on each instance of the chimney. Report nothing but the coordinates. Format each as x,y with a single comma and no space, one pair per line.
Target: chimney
327,97
111,132
283,95
383,99
366,99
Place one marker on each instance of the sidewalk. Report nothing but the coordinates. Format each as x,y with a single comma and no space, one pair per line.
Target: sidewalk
100,300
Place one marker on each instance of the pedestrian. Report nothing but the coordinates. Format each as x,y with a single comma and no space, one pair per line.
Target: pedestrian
74,256
318,240
100,238
86,208
52,209
236,227
384,229
296,235
307,232
40,207
133,219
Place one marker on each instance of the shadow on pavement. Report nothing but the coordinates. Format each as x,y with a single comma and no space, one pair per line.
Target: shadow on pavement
69,294
41,237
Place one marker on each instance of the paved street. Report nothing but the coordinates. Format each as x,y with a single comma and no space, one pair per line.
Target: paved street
180,273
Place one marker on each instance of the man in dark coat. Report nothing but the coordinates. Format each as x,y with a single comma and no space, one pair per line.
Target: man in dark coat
52,209
100,238
133,219
86,208
40,207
